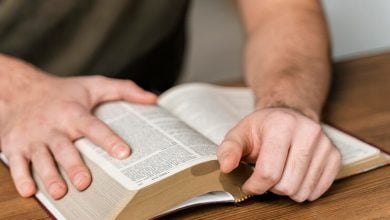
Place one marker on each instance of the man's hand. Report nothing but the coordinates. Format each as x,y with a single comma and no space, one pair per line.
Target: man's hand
41,116
293,156
286,63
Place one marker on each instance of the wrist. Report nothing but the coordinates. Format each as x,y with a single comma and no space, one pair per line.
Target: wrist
17,76
303,110
17,81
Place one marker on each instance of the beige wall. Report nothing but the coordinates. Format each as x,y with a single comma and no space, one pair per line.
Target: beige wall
358,27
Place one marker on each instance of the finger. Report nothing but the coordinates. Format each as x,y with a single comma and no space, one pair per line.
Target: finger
46,169
232,148
271,159
20,173
328,176
315,170
69,158
299,158
104,89
229,155
94,129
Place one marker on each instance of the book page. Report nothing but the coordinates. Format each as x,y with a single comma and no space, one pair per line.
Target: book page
162,145
211,110
40,196
208,198
352,149
214,110
99,201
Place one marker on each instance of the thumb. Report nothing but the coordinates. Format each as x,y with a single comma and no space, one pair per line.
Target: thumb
103,89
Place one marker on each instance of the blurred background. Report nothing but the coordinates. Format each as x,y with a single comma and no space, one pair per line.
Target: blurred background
358,28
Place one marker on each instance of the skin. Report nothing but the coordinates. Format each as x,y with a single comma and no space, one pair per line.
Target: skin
42,115
287,66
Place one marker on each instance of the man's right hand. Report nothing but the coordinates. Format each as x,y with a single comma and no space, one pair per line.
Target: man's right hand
41,116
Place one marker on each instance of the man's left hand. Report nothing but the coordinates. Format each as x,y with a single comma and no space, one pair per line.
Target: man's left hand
292,155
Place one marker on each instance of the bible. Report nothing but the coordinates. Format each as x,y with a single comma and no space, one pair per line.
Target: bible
173,164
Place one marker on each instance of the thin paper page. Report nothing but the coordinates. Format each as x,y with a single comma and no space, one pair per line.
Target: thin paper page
211,197
211,110
161,144
42,198
214,110
351,148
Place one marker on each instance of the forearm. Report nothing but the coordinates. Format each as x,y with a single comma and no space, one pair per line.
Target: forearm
287,65
287,54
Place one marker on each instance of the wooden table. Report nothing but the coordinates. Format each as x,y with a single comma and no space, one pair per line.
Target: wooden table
358,104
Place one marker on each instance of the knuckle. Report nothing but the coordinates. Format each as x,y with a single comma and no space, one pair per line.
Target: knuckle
282,116
313,184
35,149
14,159
338,157
98,78
312,198
254,189
299,198
327,143
71,112
49,174
9,152
285,189
90,123
42,120
130,83
71,108
58,146
305,155
337,154
60,150
267,174
12,144
314,129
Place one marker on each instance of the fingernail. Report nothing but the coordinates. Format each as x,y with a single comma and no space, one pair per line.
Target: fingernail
25,189
79,179
56,188
224,157
120,151
224,160
150,94
143,93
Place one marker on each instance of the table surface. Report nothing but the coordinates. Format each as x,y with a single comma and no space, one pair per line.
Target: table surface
358,104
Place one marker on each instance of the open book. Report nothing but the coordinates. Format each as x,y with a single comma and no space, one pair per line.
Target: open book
173,163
